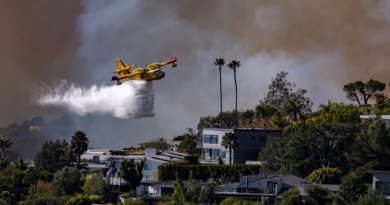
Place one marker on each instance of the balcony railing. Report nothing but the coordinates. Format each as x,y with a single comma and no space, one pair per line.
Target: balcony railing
237,190
208,157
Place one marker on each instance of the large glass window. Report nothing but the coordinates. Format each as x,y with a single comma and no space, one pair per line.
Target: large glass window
167,190
384,187
225,155
210,139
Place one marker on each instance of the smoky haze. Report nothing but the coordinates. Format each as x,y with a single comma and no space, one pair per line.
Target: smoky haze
321,44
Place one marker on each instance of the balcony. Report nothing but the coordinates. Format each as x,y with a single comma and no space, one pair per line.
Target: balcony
209,157
225,190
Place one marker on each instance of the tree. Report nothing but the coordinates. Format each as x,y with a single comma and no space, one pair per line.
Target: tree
20,164
66,182
6,198
4,143
189,142
351,189
266,112
48,157
373,196
131,171
317,194
280,90
100,187
294,110
326,109
325,176
4,162
79,144
234,65
273,154
220,62
32,176
321,145
292,197
230,140
359,91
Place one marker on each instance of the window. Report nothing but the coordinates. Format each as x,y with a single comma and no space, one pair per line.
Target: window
210,139
225,155
147,167
253,137
167,190
384,187
262,138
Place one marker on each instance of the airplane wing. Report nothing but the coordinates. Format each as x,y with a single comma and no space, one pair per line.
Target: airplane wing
173,60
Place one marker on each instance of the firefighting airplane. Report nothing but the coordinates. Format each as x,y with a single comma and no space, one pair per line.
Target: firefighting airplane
152,72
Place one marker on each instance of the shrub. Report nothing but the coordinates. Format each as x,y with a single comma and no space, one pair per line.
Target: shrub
47,200
85,200
204,172
325,176
191,159
235,201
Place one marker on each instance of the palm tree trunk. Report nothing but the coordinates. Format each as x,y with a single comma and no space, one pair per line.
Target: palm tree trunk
78,163
220,87
2,152
235,81
230,155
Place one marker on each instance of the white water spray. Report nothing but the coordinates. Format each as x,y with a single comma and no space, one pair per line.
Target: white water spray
129,100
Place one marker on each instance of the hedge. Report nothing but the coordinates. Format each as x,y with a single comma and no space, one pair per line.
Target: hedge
192,159
204,172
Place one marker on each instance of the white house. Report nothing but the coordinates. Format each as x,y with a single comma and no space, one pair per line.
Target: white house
112,163
381,181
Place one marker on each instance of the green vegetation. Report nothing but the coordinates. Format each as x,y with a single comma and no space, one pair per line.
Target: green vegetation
234,65
204,172
292,197
220,62
131,171
235,201
230,141
191,159
326,176
79,145
4,143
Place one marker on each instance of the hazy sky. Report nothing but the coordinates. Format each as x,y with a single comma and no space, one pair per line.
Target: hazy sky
321,44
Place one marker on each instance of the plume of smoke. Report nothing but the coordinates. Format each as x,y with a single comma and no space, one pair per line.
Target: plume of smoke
130,100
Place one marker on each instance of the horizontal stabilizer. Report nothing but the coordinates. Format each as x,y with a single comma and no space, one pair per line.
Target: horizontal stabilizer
114,78
173,59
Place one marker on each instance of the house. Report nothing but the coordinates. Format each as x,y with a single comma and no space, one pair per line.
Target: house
385,117
157,189
110,165
262,187
250,143
381,181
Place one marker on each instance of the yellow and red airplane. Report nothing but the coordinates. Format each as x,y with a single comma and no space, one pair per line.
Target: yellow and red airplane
152,72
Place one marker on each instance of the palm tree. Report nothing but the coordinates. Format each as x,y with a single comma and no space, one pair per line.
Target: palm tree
265,112
220,62
32,177
280,122
234,65
327,109
4,143
79,145
294,110
20,164
4,162
230,140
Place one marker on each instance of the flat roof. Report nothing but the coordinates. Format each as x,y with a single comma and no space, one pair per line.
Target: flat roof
385,117
378,172
242,129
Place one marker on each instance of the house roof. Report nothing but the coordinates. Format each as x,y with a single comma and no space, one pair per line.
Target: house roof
285,179
378,172
385,117
185,182
331,187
